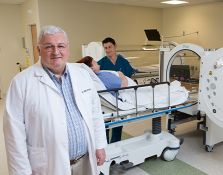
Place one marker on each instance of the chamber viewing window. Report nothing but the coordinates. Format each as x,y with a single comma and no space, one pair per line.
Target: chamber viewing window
180,72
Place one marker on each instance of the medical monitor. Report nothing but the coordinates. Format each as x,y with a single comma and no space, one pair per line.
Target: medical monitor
180,72
152,34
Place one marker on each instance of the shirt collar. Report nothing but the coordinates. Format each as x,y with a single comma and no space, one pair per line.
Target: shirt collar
52,75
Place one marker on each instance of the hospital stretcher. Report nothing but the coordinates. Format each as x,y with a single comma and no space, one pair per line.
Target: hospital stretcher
209,106
135,150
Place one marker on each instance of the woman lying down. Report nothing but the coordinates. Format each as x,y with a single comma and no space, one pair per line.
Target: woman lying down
104,79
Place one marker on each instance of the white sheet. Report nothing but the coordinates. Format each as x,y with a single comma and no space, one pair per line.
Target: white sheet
178,94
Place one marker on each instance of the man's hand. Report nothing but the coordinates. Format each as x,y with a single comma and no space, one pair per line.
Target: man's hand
100,155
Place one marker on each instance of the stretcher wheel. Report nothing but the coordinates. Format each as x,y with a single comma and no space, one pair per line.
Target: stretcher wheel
168,154
208,148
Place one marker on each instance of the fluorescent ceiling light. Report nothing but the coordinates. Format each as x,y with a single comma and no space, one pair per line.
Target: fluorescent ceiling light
174,2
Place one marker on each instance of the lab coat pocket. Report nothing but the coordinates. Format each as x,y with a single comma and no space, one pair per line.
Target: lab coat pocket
38,160
86,94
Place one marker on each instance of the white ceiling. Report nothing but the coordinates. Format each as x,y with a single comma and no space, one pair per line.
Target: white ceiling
143,3
153,3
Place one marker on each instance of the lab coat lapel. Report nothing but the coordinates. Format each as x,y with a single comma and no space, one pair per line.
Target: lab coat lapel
43,77
78,86
79,98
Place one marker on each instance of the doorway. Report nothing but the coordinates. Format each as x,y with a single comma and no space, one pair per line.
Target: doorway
34,43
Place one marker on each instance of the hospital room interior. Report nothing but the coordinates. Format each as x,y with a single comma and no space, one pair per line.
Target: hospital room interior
165,44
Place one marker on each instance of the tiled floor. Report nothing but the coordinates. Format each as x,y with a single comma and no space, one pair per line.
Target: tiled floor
191,152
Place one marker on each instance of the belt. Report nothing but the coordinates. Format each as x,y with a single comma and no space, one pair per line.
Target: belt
74,161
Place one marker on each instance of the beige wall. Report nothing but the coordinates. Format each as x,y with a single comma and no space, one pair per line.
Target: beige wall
30,16
15,23
87,21
207,19
11,34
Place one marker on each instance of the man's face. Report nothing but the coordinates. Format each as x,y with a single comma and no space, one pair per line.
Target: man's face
54,52
110,49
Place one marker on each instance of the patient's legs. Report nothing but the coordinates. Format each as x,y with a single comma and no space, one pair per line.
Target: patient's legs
116,134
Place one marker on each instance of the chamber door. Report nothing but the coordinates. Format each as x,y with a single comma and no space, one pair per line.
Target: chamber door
211,84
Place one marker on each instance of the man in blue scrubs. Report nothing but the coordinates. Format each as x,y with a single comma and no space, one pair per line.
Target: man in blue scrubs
113,61
116,62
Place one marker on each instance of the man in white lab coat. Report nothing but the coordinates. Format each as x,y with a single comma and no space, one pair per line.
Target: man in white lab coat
53,123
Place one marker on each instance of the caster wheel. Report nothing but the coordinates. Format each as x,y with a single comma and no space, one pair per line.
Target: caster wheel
209,148
168,154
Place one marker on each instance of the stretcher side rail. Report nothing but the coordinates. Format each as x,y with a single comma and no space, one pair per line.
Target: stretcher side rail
153,85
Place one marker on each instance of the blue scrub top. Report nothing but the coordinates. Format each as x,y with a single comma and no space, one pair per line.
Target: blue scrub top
121,65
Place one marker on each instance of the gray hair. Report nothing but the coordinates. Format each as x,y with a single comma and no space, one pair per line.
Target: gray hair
51,30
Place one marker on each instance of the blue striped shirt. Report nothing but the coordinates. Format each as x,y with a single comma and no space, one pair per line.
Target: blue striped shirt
75,123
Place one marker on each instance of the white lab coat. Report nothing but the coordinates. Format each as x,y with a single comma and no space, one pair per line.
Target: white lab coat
35,127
